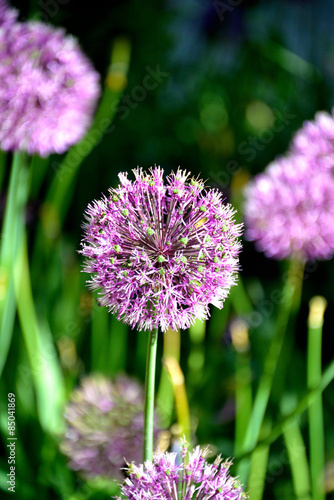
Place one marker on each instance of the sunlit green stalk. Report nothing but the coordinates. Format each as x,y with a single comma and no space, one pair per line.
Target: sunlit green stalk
291,288
165,393
181,399
149,395
315,411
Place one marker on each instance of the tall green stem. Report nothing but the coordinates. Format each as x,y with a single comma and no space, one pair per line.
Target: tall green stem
291,289
149,395
315,412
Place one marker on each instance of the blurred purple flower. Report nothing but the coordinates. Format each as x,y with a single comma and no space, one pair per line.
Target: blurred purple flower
164,479
48,89
315,140
289,210
8,16
161,253
104,422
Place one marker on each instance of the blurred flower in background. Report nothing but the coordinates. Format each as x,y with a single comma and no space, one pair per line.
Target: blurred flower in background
289,210
164,478
8,16
161,253
315,140
48,90
104,426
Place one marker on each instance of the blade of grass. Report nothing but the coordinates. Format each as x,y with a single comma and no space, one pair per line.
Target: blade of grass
12,231
44,366
309,398
291,289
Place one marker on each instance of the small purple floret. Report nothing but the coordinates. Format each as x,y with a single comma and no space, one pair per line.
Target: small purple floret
160,254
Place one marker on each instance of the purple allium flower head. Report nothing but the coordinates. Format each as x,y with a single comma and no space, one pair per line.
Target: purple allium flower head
104,422
8,16
289,210
315,140
163,479
161,254
48,89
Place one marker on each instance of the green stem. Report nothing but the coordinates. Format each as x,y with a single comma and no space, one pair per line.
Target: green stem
149,395
291,289
243,397
258,470
298,460
315,411
296,450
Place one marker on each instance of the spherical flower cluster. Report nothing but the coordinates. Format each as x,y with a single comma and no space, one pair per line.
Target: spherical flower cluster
315,140
289,210
104,422
161,254
48,90
163,479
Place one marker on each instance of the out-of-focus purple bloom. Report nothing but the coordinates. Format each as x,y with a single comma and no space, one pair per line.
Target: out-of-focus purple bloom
315,140
8,16
104,422
48,89
160,254
289,210
163,479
